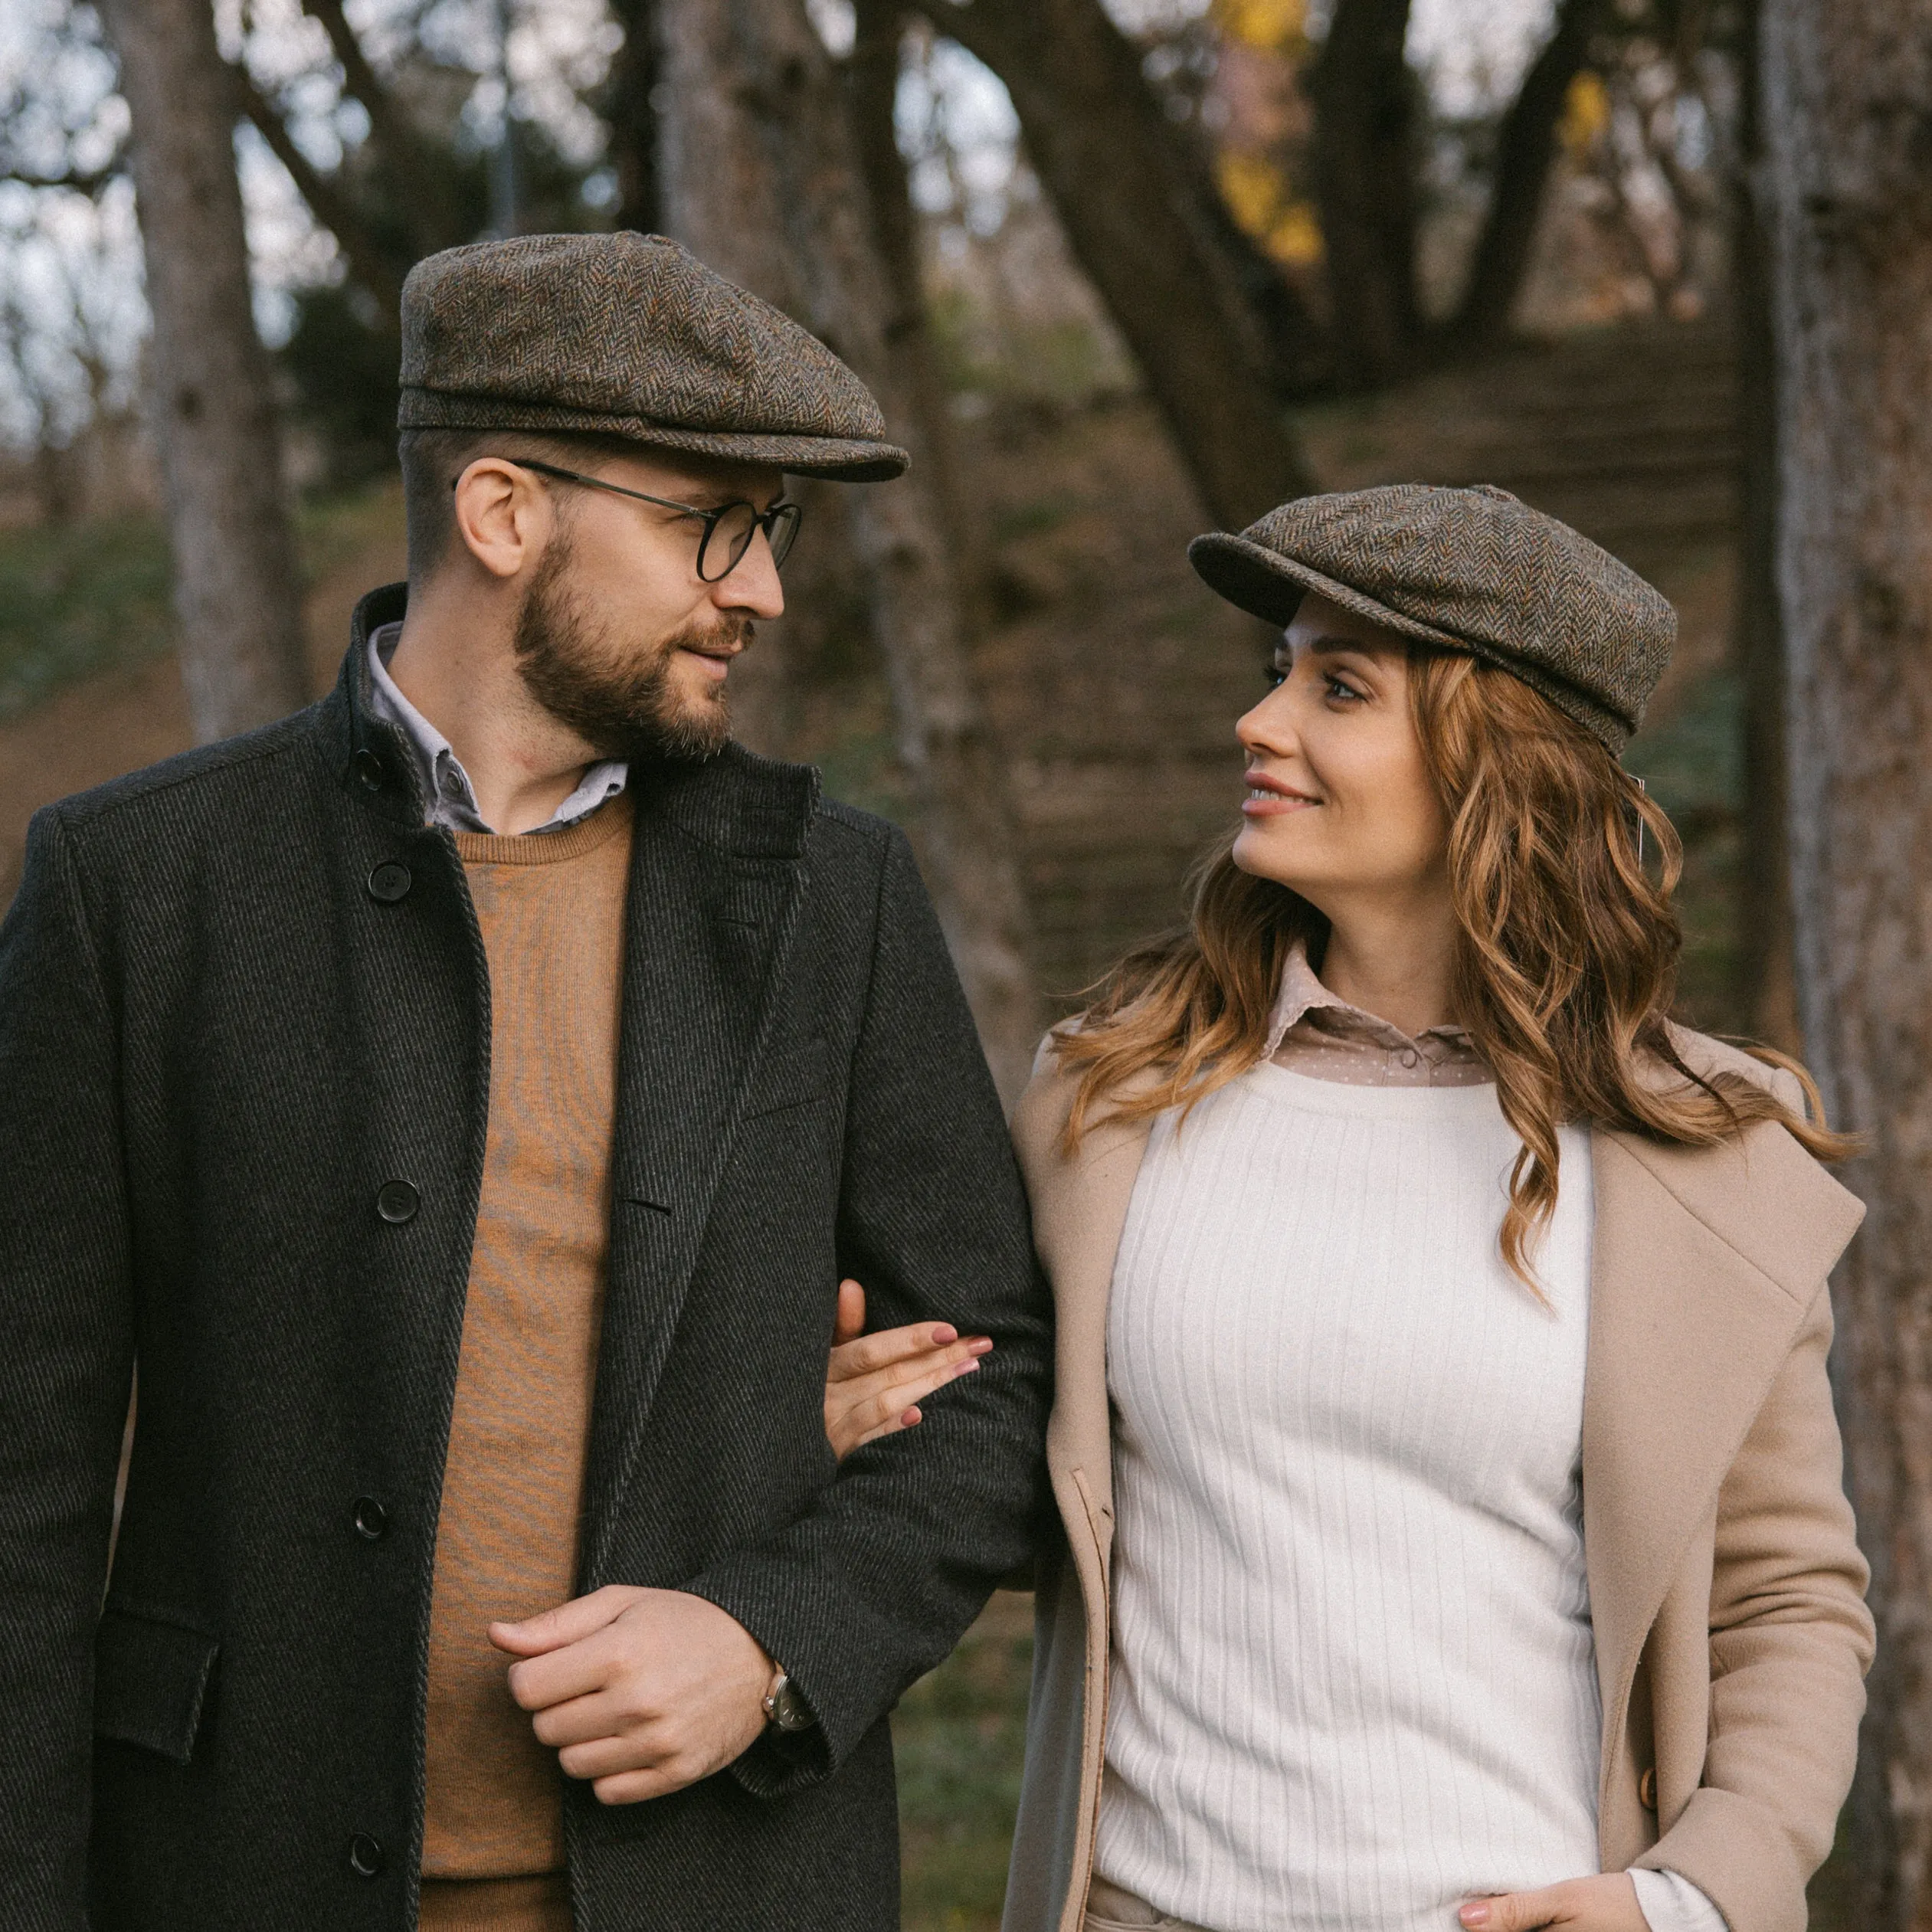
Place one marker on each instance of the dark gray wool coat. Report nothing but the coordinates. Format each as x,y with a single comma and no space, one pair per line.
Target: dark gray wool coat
219,1044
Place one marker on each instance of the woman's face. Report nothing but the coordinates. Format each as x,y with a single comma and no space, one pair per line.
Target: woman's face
1340,807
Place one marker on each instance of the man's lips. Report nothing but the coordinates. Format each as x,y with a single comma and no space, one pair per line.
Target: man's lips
1271,797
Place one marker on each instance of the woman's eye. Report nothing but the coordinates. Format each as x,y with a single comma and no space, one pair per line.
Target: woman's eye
1274,675
1338,689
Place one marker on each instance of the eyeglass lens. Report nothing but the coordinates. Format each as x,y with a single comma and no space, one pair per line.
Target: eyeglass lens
730,536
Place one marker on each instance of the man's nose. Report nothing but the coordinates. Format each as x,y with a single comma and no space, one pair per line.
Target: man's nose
752,585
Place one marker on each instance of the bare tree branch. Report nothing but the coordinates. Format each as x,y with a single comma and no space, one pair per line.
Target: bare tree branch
429,204
371,265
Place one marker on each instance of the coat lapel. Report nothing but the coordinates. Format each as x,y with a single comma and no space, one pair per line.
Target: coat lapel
716,880
1705,1261
1079,1207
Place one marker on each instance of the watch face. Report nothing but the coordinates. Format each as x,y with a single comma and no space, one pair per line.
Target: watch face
788,1711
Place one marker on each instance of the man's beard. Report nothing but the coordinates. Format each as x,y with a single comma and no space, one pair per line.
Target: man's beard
619,699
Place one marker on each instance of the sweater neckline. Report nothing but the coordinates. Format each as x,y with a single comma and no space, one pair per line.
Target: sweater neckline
547,848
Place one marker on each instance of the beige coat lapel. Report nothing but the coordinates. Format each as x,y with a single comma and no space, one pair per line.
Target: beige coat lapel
1079,1209
1704,1263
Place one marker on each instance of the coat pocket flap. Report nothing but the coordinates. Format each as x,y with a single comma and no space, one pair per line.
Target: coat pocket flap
151,1682
789,1078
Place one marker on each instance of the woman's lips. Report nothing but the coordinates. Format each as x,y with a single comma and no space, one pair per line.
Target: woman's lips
1269,798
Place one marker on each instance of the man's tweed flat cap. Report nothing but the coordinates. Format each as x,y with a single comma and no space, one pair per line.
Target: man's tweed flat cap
1473,570
629,336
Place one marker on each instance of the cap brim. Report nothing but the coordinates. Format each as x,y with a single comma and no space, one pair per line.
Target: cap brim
1271,587
837,458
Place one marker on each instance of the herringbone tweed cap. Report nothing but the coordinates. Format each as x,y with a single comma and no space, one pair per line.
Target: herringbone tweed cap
1474,569
629,336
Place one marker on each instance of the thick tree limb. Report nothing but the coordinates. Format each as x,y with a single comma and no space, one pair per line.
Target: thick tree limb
1524,155
1131,209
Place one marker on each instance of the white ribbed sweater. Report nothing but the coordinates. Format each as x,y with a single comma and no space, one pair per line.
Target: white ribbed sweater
1353,1680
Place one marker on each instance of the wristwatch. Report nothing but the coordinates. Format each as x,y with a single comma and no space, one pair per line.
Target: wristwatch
785,1708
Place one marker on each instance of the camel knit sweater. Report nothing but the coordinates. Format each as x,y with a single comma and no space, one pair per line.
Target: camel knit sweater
551,913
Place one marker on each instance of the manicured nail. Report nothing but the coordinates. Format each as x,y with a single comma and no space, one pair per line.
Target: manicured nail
911,1419
1475,1915
944,1333
967,1367
981,1345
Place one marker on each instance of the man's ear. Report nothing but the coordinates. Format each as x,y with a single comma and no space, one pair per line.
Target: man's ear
504,515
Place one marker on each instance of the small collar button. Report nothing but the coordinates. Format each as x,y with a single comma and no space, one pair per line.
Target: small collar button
371,1519
369,768
365,1855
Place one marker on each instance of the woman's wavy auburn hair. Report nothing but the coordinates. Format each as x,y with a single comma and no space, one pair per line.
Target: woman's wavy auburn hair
1565,958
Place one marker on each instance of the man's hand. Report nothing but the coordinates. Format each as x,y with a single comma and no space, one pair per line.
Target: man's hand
1607,1903
643,1691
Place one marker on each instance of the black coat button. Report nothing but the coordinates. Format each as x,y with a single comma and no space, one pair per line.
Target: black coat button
371,1519
389,882
365,1855
369,768
396,1201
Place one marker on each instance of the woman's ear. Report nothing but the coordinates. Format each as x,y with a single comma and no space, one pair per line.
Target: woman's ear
502,515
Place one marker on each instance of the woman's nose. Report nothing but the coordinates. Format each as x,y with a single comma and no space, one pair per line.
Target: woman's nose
1268,729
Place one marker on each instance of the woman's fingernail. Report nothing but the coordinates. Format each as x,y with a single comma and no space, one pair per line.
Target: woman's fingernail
964,1368
911,1419
1474,1915
981,1345
944,1333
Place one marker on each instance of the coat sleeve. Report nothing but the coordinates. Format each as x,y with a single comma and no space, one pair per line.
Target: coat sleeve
874,1586
1790,1642
65,1301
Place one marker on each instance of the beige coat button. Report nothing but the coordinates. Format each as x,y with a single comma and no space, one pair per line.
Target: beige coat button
1647,1788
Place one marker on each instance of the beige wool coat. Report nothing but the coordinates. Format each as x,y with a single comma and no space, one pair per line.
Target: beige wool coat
1726,1588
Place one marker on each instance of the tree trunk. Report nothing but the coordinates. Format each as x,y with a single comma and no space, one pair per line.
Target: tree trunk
1767,992
872,72
1365,173
237,589
762,179
1130,200
1847,106
630,106
1526,147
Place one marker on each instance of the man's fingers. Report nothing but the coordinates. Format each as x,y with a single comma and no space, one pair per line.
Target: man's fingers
576,1721
633,1787
578,1670
850,1322
571,1622
603,1757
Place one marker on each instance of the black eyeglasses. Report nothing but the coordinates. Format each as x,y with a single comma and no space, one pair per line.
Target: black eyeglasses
727,530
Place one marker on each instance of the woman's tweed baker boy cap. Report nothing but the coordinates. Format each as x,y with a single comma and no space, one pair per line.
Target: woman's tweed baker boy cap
1473,570
629,336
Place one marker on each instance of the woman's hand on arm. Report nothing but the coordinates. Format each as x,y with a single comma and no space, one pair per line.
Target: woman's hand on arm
874,1383
1607,1903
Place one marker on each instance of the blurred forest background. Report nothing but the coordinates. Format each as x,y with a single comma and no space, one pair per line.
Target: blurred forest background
1122,270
